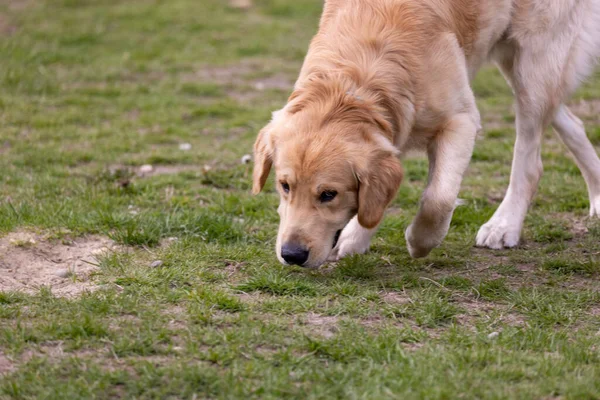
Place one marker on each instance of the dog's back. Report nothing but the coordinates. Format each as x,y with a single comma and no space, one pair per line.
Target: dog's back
551,26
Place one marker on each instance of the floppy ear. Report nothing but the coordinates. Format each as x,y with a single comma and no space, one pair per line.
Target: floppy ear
263,159
378,184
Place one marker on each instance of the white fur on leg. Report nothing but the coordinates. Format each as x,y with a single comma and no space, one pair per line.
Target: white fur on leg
354,240
500,232
595,207
449,157
504,228
420,240
572,132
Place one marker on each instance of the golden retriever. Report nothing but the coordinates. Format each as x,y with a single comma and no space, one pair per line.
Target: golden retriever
383,77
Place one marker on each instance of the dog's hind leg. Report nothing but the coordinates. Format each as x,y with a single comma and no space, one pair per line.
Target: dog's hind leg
449,155
544,63
572,133
534,74
504,228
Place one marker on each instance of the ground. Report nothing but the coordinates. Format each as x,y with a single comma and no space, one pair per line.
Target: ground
122,280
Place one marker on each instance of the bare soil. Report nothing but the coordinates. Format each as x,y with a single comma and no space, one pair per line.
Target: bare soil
321,325
28,261
6,366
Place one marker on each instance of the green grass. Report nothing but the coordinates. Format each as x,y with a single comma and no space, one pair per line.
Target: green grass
91,91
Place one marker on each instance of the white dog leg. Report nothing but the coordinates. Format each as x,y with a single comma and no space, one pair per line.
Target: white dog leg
504,228
572,133
538,78
354,240
449,156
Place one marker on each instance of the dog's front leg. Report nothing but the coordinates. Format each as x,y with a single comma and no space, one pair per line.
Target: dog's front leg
449,155
354,239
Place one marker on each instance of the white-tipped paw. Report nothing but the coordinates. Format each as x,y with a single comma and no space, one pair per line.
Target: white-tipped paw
595,207
498,234
347,248
354,240
347,245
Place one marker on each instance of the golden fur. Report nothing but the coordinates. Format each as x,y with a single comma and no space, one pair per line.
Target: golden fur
387,76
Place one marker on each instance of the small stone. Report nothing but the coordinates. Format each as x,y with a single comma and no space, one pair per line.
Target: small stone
206,168
146,169
246,159
259,86
185,146
493,335
132,209
156,264
64,273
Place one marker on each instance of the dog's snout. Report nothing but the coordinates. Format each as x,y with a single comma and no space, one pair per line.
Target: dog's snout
294,254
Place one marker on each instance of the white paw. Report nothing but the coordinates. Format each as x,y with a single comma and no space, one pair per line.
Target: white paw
498,233
595,207
347,248
354,240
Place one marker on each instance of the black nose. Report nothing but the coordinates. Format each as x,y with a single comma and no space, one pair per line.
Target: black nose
294,254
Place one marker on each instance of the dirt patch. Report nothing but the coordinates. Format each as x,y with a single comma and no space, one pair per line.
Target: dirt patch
168,170
277,81
395,298
29,261
238,81
53,350
321,325
6,366
493,124
233,267
494,314
6,28
588,110
148,170
223,75
577,225
241,4
17,5
54,353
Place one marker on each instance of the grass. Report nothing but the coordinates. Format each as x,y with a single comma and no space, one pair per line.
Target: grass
96,91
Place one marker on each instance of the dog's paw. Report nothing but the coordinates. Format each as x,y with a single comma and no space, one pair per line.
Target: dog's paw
348,245
498,234
354,239
417,252
595,207
419,247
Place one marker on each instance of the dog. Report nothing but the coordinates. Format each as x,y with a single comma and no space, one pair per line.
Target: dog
383,77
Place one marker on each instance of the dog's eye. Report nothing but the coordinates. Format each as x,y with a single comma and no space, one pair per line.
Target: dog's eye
285,187
327,196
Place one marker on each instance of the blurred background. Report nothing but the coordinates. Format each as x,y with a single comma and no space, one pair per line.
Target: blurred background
97,93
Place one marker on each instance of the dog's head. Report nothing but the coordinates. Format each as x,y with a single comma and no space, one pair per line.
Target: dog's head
328,169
